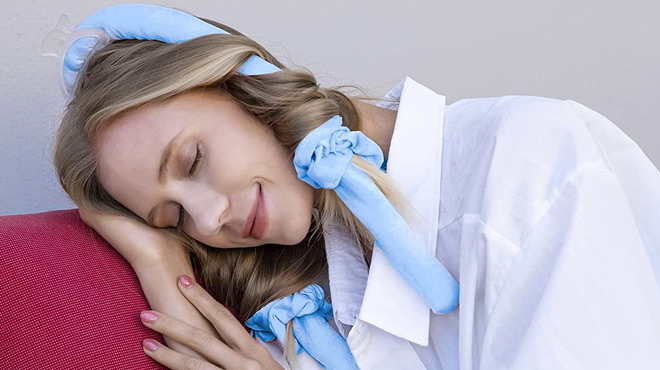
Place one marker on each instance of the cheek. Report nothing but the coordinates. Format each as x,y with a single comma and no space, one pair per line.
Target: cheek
290,201
303,209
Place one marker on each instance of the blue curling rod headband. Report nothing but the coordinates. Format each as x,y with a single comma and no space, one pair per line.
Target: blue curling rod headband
127,21
322,159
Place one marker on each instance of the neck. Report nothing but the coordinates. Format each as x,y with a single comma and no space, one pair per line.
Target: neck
377,124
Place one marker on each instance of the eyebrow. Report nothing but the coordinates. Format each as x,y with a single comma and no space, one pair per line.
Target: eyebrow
162,171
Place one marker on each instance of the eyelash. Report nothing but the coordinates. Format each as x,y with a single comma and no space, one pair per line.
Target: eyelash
193,168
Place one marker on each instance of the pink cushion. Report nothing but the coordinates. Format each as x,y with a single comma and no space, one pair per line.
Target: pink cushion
68,299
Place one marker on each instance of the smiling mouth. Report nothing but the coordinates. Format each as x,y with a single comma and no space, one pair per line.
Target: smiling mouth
260,218
254,219
249,223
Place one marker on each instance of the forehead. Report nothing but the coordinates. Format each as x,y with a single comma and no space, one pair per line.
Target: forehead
150,127
129,151
137,133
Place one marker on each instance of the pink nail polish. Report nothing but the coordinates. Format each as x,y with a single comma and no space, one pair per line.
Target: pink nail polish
150,344
186,281
148,316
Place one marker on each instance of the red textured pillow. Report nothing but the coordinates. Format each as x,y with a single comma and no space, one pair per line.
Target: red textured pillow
68,299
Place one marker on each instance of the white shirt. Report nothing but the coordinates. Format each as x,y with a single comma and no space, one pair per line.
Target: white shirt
547,215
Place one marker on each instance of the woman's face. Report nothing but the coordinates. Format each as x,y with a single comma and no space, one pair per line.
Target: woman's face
221,159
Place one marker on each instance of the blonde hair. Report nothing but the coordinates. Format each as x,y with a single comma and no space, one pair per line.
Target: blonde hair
127,74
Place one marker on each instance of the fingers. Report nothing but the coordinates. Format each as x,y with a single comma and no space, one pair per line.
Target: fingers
173,359
197,339
229,328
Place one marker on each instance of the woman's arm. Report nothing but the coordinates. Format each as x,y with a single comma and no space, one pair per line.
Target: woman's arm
158,278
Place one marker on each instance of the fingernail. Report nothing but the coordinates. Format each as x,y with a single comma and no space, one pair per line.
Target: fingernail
150,344
148,316
185,281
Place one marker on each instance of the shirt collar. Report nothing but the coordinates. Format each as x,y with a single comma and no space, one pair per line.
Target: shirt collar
347,275
383,298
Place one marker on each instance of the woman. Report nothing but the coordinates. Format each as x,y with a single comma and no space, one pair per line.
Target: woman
530,203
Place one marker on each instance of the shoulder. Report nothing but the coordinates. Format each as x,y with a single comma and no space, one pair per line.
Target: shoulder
505,158
500,115
505,103
543,130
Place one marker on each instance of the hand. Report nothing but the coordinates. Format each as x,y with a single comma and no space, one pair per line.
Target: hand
237,350
138,243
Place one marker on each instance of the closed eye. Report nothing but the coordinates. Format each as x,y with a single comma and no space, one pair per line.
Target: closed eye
198,158
191,172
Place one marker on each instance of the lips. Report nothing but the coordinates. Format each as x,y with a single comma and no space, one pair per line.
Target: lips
260,218
253,212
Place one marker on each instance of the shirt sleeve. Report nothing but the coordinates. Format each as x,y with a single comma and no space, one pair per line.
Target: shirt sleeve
581,292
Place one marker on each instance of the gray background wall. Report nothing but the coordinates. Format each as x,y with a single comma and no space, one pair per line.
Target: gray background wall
604,54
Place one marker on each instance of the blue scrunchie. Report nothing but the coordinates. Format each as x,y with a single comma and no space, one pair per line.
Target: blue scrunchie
312,333
323,160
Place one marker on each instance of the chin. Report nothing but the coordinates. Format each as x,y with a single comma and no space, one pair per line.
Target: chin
298,234
299,237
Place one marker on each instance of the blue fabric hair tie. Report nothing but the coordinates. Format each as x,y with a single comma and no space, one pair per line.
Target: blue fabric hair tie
323,160
312,333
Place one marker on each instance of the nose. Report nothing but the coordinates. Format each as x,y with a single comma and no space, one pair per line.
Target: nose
206,210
